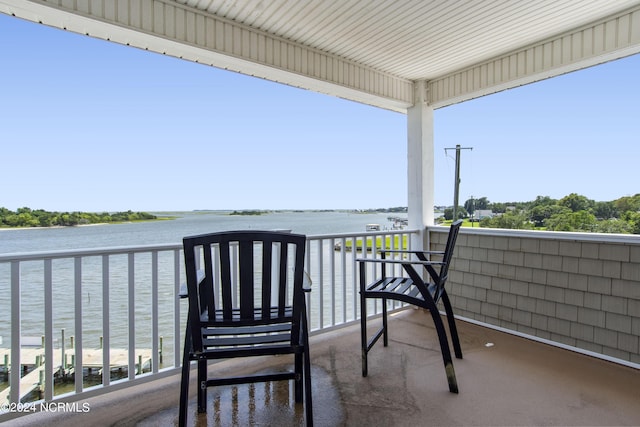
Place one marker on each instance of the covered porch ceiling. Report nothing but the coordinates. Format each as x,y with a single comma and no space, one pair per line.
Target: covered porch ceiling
375,52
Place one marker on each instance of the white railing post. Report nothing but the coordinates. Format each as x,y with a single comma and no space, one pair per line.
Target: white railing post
354,282
77,285
48,329
106,330
131,314
320,284
177,329
155,335
332,272
343,271
14,377
307,263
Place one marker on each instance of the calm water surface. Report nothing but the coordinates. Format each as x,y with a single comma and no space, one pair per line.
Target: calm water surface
188,223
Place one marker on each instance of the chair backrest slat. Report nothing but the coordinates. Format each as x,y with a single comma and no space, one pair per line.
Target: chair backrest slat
282,279
207,296
446,258
246,279
225,280
267,272
451,243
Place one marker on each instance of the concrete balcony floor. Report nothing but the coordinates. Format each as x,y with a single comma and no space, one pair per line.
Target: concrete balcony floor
503,380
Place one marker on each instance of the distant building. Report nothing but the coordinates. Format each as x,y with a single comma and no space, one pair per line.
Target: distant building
483,213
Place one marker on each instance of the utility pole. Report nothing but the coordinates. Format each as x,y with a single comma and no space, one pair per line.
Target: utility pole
456,188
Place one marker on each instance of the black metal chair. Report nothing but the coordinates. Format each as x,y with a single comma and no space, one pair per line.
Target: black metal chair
416,291
245,291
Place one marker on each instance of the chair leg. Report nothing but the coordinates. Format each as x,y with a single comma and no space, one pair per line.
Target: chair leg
184,382
385,337
308,403
202,386
444,347
298,381
363,332
453,331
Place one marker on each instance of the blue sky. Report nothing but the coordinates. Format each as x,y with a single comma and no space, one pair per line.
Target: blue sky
94,126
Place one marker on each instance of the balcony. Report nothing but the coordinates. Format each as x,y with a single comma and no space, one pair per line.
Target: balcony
504,380
549,324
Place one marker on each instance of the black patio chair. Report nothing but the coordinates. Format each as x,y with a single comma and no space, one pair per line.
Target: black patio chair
245,291
416,291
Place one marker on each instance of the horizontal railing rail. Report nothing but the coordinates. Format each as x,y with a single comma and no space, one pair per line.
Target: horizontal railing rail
83,321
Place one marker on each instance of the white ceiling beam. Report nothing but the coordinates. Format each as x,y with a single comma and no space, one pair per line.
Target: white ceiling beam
173,29
606,40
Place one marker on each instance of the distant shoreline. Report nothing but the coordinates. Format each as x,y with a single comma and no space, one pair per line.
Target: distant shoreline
59,226
165,218
172,215
36,218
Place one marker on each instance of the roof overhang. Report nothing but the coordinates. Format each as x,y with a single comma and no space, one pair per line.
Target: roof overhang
370,52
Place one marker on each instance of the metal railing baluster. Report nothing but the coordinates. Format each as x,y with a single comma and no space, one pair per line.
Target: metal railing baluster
131,314
77,348
48,329
14,377
155,335
106,335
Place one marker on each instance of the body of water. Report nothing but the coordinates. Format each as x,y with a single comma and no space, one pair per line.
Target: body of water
186,223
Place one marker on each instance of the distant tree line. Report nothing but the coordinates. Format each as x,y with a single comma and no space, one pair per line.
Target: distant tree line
571,213
248,212
26,217
397,209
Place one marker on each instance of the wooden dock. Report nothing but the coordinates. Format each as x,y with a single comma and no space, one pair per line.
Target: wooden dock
118,358
33,360
27,384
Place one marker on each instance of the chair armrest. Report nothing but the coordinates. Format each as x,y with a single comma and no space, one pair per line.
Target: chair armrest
399,261
184,291
403,251
306,282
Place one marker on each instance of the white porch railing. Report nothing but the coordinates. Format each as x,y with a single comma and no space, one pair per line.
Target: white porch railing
331,263
116,312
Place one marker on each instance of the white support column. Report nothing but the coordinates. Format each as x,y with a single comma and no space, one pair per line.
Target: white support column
420,162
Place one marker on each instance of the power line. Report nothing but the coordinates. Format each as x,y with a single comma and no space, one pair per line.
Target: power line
456,188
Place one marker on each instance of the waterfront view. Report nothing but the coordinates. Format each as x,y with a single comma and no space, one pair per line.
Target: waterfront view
186,223
130,288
